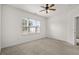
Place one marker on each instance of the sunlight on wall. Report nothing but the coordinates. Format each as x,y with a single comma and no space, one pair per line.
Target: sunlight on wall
56,28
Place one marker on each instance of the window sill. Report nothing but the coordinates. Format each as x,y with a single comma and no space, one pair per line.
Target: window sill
23,34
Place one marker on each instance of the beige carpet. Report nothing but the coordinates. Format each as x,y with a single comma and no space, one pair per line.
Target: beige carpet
43,46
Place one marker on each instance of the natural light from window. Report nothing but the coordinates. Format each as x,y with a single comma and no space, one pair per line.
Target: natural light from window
30,26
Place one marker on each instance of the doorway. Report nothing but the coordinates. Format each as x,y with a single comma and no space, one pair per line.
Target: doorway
76,31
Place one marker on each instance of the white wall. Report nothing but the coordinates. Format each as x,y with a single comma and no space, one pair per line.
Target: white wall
71,25
12,31
57,27
0,27
62,26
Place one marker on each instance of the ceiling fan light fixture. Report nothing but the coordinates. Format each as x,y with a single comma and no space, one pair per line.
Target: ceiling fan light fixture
48,7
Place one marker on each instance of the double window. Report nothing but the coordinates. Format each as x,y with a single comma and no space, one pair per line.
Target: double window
30,25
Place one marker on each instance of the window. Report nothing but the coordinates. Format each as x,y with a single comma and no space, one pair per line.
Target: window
30,26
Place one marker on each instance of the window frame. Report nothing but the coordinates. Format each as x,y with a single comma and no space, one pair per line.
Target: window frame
28,32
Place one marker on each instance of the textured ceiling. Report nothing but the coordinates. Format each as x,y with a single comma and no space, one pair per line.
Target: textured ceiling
35,8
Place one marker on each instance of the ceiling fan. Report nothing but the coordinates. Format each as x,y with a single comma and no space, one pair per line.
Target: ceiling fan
48,7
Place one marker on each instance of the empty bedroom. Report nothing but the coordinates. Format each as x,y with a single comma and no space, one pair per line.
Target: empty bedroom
39,29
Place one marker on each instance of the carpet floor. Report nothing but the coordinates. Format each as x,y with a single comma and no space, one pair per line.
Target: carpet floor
44,46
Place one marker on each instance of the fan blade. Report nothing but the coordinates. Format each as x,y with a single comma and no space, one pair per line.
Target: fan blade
42,10
52,5
42,6
52,9
46,5
46,11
